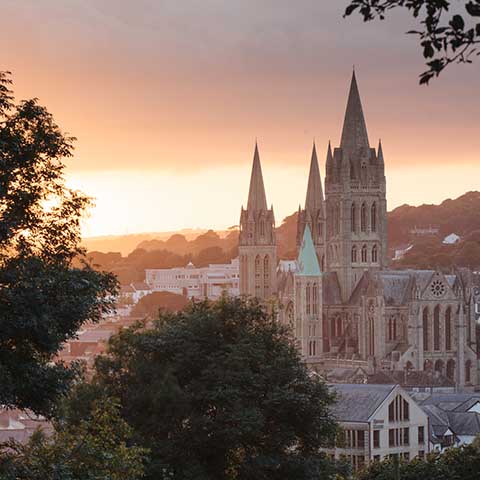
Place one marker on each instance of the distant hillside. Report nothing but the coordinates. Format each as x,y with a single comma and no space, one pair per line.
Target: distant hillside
460,216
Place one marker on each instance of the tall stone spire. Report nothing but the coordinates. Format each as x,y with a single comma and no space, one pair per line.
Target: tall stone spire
257,199
314,199
354,133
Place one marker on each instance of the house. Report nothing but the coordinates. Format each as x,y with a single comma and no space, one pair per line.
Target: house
378,421
454,418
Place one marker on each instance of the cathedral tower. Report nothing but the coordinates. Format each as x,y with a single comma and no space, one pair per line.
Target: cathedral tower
257,245
355,191
314,213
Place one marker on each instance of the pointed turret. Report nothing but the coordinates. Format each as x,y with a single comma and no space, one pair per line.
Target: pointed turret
354,133
314,199
257,199
307,256
380,153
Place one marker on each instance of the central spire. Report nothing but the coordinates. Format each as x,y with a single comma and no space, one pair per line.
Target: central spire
314,199
354,133
257,199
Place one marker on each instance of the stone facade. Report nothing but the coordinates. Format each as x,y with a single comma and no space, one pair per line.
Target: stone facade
371,316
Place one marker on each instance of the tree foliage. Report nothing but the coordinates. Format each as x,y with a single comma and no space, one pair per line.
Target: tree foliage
445,36
97,448
43,298
458,463
218,391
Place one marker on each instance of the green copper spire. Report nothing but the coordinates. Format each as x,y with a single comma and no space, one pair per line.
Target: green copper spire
307,258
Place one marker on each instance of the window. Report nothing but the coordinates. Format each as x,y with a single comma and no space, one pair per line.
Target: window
451,369
436,328
406,456
448,329
376,439
364,254
468,366
307,299
354,254
363,218
421,454
425,328
421,435
266,275
391,437
314,299
353,218
373,215
376,458
374,254
398,410
406,436
360,439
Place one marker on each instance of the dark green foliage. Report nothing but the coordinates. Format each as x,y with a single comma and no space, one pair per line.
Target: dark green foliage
97,448
218,391
150,305
462,463
43,298
444,37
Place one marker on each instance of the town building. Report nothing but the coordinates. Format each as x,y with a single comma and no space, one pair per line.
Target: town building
345,304
378,422
196,282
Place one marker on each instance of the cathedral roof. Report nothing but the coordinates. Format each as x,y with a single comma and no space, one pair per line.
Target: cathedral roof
257,200
307,257
354,133
314,199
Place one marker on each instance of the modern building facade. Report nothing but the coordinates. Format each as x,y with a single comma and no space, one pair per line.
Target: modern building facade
378,422
370,316
196,282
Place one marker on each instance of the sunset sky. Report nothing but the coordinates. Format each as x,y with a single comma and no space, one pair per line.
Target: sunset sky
167,97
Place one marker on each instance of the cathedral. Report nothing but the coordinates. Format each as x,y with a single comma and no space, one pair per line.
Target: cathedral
344,304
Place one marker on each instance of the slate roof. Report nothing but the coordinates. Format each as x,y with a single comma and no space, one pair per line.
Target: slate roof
464,423
331,289
358,402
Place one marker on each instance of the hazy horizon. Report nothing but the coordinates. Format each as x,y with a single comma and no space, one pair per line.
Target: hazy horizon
166,123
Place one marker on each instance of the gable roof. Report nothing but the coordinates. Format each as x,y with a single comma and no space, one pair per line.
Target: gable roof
358,402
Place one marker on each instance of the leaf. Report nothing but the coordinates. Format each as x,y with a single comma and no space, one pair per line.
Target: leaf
350,9
457,22
472,9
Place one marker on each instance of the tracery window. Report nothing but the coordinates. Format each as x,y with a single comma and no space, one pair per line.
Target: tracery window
373,217
363,218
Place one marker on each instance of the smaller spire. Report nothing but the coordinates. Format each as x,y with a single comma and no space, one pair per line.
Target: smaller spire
314,199
257,199
307,257
329,164
380,152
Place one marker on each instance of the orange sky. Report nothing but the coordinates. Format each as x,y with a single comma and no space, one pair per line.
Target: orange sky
166,99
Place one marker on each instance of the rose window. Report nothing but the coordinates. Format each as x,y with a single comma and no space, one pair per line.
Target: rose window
437,288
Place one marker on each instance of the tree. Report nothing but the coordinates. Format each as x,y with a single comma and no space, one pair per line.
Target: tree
97,448
149,305
455,463
44,299
445,37
218,391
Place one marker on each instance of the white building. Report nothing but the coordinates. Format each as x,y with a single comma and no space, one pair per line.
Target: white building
196,282
378,421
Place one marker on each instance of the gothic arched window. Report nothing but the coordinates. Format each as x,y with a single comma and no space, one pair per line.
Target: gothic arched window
364,254
314,299
307,299
425,329
353,220
363,218
448,329
262,227
373,217
337,219
266,275
258,271
451,369
354,254
468,368
436,328
374,254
